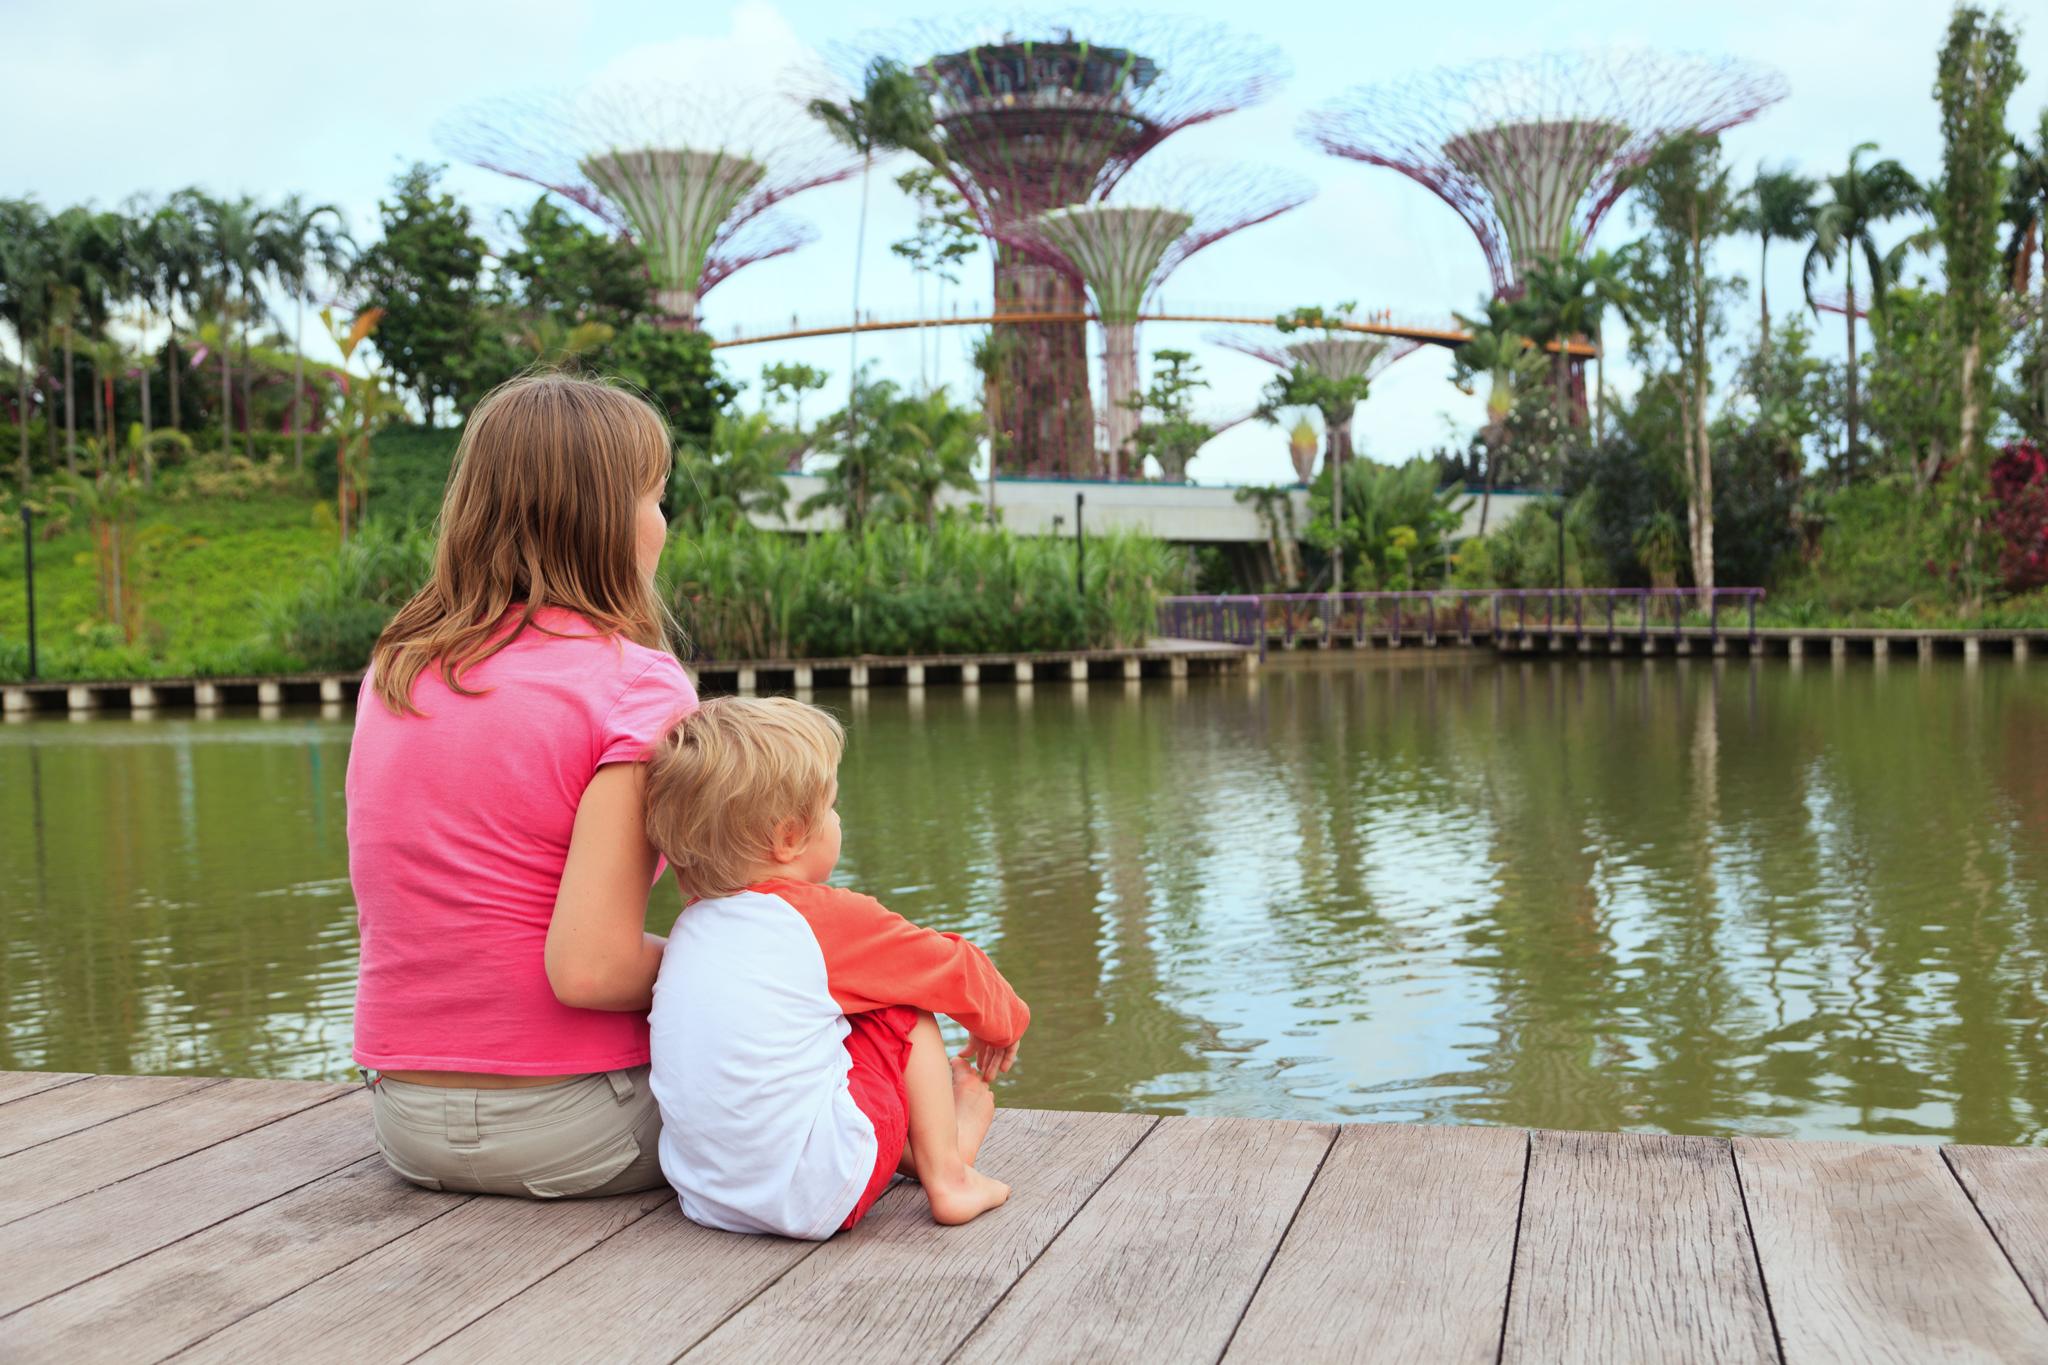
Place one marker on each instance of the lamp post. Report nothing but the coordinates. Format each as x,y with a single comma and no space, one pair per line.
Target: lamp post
28,564
1080,549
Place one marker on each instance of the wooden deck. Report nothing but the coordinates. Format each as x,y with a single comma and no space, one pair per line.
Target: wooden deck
142,1217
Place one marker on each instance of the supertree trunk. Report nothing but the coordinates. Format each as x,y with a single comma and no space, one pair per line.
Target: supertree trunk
1048,418
1120,393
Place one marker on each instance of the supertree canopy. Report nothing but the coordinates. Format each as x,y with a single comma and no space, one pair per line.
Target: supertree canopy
691,181
1035,113
1531,153
1122,247
1341,358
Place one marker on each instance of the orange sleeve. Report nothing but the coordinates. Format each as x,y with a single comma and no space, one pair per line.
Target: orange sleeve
874,957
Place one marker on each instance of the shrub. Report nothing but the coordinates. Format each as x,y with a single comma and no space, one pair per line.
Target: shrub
898,589
2019,492
333,620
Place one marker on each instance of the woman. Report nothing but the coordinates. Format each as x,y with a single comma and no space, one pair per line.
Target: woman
495,833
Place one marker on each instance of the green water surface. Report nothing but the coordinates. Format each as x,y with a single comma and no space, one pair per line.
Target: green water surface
1670,896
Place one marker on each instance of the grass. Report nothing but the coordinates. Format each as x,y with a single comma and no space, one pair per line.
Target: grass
206,569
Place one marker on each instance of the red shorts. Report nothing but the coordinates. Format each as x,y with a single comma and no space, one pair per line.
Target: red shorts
877,1051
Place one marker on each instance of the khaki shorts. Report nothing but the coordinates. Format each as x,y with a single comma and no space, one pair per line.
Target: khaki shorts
591,1135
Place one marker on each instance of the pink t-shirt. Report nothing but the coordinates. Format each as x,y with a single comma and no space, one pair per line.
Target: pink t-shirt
458,829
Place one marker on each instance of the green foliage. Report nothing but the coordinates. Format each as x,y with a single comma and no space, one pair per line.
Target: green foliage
424,274
898,589
560,268
332,620
893,454
1523,553
1395,525
1912,395
737,472
674,368
1172,436
1876,547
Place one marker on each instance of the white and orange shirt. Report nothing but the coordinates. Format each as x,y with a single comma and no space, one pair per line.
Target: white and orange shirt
759,1132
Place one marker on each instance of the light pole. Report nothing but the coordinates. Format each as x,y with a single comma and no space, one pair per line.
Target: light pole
1080,549
28,564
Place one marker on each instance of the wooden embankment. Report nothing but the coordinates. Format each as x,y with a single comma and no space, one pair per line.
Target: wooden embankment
145,1217
1153,659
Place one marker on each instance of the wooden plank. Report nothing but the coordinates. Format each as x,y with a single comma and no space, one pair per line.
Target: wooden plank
15,1085
71,1166
900,1287
1161,1262
1872,1252
52,1113
167,1300
644,1294
90,1235
415,1292
2009,1186
1633,1247
1402,1250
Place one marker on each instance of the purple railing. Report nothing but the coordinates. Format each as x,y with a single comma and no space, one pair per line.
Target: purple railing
1253,620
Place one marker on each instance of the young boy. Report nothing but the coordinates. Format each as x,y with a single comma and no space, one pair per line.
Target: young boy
796,1061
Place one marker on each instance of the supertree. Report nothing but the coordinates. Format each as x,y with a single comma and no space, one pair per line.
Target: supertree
1121,247
1332,368
1033,113
690,179
1532,152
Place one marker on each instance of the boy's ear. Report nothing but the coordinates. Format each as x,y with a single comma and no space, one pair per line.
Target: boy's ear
789,841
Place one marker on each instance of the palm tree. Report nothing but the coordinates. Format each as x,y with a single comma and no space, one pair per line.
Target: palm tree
1508,360
24,297
1860,198
1606,276
228,233
298,240
935,443
84,255
736,473
1777,204
169,271
891,113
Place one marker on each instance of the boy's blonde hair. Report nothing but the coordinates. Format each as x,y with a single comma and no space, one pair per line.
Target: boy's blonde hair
726,779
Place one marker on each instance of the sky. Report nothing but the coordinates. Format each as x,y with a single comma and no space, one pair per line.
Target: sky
268,99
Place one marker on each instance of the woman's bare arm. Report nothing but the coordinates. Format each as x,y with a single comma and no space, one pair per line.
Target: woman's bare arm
598,955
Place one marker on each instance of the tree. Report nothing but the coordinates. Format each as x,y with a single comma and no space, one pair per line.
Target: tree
1684,195
866,455
734,473
1778,205
424,275
1498,350
1175,435
300,240
560,268
366,407
2026,217
676,369
1860,198
228,233
935,445
785,382
24,298
84,266
1978,68
891,113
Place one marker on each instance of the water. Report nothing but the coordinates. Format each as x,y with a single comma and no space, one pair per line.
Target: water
1671,896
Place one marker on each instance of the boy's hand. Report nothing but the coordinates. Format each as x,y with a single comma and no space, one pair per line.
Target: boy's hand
989,1059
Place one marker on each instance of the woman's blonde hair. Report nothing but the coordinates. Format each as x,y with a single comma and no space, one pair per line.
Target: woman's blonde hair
539,513
725,781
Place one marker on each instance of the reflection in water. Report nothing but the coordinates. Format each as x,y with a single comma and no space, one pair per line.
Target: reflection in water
1684,896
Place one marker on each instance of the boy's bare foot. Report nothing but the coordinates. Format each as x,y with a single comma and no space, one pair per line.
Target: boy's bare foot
974,1104
965,1199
